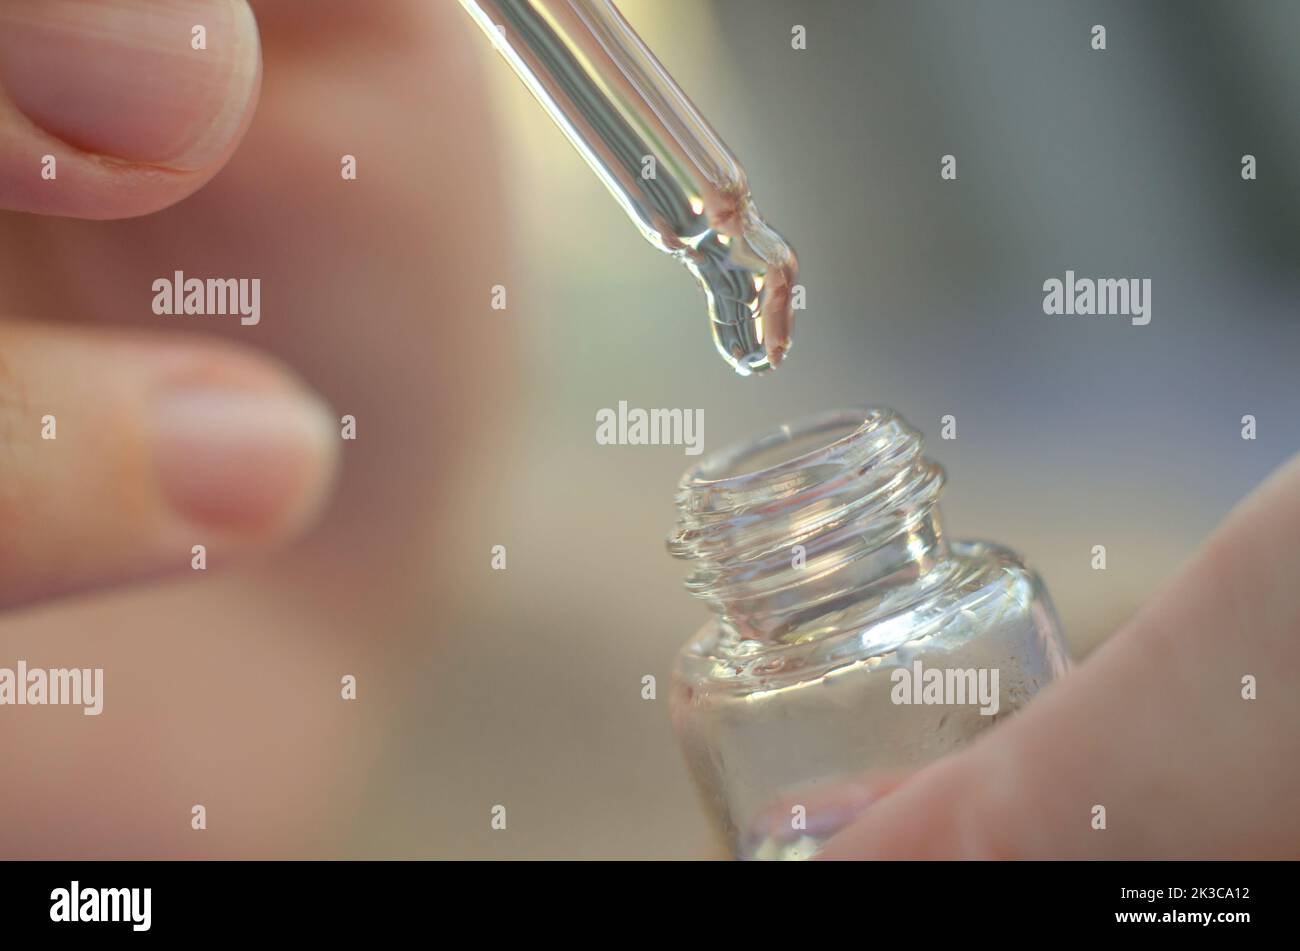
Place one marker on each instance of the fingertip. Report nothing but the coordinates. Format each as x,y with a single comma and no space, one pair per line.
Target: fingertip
116,110
919,817
256,467
161,445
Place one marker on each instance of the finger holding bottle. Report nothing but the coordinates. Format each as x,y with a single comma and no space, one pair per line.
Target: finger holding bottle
1176,739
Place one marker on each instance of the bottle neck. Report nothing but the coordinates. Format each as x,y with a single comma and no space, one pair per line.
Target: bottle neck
791,534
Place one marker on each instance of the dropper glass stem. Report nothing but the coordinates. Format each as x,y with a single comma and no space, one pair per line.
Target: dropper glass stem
660,160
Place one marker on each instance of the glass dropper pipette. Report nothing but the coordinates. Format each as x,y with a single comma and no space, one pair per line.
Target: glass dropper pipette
660,160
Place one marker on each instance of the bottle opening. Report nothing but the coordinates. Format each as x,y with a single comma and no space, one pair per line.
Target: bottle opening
784,528
786,447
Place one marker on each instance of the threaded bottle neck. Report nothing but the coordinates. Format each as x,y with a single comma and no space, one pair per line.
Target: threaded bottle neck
786,533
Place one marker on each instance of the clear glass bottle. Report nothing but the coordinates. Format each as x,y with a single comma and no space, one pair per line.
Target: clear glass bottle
836,598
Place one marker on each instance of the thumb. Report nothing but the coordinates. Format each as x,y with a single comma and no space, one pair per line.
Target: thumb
115,108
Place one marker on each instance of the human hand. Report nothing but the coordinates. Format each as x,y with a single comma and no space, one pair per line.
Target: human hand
361,283
123,448
1155,727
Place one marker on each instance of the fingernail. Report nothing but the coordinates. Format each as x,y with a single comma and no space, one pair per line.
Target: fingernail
259,462
125,79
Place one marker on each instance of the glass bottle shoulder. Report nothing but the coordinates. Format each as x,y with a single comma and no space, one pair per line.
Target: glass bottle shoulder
978,588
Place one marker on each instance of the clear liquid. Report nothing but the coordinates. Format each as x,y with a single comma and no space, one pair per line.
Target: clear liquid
660,160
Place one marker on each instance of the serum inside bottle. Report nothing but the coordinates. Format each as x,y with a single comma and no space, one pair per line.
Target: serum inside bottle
819,550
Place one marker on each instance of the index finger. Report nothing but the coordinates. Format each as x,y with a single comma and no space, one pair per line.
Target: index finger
116,108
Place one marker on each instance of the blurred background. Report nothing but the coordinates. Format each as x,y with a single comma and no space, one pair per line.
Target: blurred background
523,687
